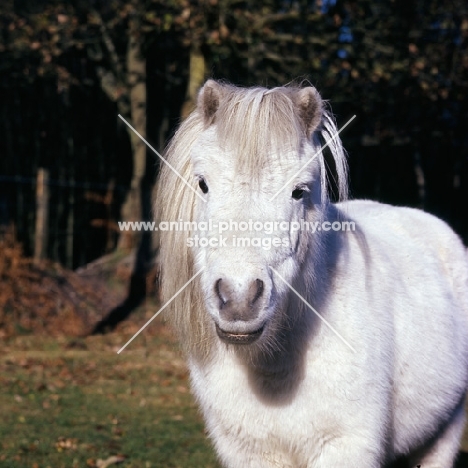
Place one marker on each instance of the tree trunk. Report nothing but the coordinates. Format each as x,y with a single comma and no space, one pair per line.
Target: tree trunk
136,66
42,214
197,70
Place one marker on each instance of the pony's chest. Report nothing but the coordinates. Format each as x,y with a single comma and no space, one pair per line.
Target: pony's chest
265,408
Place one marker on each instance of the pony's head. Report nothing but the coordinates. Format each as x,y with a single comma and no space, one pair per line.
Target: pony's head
253,159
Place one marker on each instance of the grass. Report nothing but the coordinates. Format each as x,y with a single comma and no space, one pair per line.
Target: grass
74,403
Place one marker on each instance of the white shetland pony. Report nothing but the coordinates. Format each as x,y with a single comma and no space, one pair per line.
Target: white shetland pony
375,365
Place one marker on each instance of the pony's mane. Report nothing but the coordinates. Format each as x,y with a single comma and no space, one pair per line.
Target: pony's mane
259,124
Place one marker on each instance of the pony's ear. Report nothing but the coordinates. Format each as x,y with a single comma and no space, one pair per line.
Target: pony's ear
208,100
310,106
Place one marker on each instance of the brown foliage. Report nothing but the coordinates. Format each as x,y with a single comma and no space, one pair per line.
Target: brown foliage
44,297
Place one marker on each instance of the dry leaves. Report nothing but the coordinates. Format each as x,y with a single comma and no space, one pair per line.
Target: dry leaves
66,444
44,297
113,460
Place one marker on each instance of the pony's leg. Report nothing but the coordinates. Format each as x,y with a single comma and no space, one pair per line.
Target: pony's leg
442,452
233,455
350,452
263,460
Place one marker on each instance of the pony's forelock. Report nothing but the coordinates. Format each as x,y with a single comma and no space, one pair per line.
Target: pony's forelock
257,124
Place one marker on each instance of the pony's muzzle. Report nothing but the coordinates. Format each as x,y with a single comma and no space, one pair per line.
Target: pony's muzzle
239,308
236,303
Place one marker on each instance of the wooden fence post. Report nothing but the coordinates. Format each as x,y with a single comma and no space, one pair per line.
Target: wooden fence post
42,214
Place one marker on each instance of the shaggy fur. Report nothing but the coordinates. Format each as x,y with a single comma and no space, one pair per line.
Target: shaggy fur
396,290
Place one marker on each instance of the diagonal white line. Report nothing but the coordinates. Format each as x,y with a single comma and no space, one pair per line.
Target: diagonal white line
165,162
314,311
159,311
312,158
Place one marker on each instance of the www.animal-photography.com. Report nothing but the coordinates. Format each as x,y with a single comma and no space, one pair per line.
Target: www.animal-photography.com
233,234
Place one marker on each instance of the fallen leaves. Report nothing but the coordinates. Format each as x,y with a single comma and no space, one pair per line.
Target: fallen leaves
113,460
64,443
45,297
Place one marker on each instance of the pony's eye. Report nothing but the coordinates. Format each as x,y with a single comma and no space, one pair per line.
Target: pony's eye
202,185
298,193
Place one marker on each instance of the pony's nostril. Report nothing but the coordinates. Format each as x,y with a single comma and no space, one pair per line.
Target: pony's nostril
220,293
255,290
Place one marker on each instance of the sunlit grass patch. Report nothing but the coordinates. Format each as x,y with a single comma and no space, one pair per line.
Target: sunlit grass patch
69,403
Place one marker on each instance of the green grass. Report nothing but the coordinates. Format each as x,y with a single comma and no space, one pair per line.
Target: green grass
68,403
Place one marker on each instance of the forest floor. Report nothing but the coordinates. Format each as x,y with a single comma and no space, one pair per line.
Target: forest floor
74,402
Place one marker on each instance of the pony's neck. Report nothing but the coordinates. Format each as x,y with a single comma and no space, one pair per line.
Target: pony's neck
297,323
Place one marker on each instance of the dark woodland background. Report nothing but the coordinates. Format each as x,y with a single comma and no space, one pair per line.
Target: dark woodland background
67,69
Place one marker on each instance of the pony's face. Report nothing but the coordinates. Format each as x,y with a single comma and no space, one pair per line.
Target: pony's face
249,242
